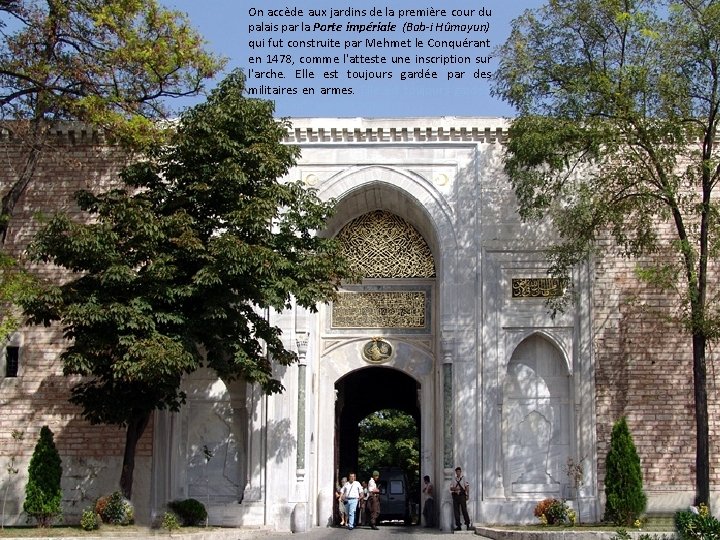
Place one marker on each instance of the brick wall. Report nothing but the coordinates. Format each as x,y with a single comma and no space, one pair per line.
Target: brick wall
643,362
39,395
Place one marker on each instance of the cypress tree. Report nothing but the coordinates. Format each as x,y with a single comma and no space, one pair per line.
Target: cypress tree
625,499
43,494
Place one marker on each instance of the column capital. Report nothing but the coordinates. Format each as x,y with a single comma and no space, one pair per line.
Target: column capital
301,343
447,345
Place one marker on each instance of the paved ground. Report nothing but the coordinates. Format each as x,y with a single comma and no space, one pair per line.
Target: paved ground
384,532
397,532
392,532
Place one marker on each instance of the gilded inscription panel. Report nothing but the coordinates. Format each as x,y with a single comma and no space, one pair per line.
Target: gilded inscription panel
380,309
537,287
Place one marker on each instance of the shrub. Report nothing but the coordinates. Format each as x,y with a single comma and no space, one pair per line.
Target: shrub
170,521
697,524
553,512
190,511
625,499
89,521
115,509
42,493
622,534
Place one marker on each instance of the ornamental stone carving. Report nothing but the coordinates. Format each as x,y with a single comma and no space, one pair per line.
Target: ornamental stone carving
382,245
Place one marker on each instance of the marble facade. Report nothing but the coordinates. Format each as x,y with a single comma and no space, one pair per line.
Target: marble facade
504,390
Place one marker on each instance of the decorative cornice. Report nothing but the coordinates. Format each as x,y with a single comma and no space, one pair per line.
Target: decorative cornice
442,129
397,130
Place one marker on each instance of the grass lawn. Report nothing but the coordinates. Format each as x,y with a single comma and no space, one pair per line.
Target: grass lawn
652,525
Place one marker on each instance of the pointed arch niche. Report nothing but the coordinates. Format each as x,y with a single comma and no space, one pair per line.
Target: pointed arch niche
536,420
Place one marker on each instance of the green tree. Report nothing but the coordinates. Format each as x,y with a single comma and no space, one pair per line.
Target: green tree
180,267
110,63
389,438
43,495
618,105
14,284
625,499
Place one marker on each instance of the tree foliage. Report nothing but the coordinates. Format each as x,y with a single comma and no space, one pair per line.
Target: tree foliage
109,63
624,495
43,495
389,438
616,133
14,284
180,267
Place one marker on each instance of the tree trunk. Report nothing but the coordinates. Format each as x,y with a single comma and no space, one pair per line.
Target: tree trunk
135,429
702,457
12,197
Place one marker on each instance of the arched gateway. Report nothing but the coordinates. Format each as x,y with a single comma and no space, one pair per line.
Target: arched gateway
448,324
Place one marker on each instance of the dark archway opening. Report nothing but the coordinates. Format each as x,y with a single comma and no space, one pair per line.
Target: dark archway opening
362,393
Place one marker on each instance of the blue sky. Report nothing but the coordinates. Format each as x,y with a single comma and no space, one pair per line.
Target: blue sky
225,25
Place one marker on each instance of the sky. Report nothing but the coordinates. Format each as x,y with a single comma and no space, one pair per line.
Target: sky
239,31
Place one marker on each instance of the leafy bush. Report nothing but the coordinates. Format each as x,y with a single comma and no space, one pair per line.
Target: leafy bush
625,499
170,521
622,534
115,509
697,524
42,493
553,512
190,511
89,521
100,505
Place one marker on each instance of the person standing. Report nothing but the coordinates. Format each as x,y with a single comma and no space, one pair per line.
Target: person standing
428,510
342,509
352,491
374,501
361,520
460,490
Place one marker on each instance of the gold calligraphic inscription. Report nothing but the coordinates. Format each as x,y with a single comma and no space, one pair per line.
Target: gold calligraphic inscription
388,309
382,245
377,351
537,287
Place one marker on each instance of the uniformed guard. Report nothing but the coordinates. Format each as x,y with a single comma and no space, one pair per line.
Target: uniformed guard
460,490
374,501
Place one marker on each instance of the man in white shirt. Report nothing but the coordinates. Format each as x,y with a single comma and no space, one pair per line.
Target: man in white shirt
460,490
351,493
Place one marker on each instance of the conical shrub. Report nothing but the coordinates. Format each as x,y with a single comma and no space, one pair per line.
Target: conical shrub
625,499
43,495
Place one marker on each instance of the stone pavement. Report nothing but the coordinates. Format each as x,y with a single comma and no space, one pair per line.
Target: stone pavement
391,532
397,532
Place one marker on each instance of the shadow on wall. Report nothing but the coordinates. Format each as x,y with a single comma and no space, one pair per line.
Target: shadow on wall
91,454
39,395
